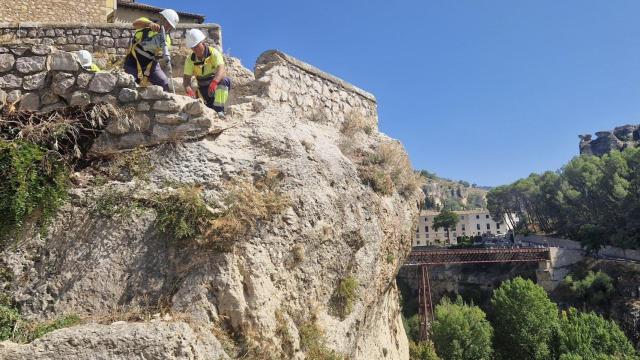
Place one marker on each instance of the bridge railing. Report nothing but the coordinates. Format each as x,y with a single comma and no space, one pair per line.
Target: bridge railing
475,256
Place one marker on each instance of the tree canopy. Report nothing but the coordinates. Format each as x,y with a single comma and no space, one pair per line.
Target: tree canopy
446,219
595,200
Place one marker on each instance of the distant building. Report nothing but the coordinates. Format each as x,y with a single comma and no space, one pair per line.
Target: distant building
52,11
472,223
128,10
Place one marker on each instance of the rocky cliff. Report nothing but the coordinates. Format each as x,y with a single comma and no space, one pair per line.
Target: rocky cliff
309,214
620,138
456,195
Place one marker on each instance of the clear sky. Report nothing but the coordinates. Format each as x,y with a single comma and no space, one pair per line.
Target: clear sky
486,91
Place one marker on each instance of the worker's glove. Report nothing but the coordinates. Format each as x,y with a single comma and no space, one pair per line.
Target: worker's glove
191,93
212,87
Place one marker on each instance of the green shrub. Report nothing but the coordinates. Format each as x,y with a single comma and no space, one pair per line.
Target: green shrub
423,350
461,331
28,332
590,336
34,184
412,327
524,320
313,343
345,296
182,214
595,289
8,319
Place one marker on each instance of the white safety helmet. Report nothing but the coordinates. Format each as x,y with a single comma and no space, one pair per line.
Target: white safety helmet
171,16
85,58
194,37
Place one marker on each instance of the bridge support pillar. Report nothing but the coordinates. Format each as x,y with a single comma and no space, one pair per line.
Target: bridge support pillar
425,307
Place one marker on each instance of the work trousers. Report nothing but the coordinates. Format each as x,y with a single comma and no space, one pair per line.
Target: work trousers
219,98
156,76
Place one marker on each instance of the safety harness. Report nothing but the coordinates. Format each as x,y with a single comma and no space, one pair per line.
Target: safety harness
137,49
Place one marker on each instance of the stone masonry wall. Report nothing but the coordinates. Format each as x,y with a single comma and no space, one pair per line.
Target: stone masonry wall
53,10
40,78
310,92
96,38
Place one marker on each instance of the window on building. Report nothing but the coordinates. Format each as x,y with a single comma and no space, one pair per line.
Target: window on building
488,226
477,216
479,233
426,229
417,230
418,242
498,226
417,236
487,216
463,227
427,236
464,233
477,226
461,217
499,232
454,235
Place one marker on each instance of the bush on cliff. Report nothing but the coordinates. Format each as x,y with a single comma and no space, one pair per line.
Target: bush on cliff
34,184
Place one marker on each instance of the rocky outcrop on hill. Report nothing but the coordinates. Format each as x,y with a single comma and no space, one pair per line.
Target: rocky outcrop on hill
315,276
620,138
440,193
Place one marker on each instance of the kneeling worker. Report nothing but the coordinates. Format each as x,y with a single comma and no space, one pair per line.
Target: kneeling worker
207,65
147,48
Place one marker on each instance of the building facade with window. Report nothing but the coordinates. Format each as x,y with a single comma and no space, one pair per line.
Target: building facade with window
471,223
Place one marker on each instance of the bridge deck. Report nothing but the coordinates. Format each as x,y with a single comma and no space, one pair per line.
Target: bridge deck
476,256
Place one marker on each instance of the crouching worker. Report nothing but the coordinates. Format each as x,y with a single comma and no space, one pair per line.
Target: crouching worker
86,61
207,65
147,48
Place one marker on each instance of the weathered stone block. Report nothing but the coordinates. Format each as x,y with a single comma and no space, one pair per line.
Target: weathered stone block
84,79
127,95
171,119
118,126
35,81
10,81
166,105
140,122
80,98
94,31
194,108
202,121
50,32
41,49
6,62
30,102
132,140
14,96
106,42
123,43
84,40
31,64
144,106
64,61
153,92
61,40
19,50
62,82
49,98
109,99
103,82
116,33
126,80
3,98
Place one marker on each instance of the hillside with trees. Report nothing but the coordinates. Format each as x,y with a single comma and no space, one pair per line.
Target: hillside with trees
441,193
594,200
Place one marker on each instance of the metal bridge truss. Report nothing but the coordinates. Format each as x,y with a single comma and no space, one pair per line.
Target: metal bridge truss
424,258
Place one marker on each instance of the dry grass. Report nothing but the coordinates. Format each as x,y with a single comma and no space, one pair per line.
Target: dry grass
131,164
388,168
318,116
245,206
355,122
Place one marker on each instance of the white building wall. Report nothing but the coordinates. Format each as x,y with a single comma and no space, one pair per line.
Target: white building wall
472,223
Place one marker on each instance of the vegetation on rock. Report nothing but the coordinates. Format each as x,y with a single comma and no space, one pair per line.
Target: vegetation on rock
345,296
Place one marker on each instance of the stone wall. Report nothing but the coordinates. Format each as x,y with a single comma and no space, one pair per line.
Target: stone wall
42,79
54,10
96,38
310,92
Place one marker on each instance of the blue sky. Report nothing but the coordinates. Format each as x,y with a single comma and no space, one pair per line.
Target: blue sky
485,91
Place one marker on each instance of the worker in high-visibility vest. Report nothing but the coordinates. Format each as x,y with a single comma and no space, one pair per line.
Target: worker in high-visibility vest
206,64
147,47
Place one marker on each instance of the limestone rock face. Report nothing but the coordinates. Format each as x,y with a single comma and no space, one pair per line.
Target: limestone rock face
120,341
276,279
620,138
